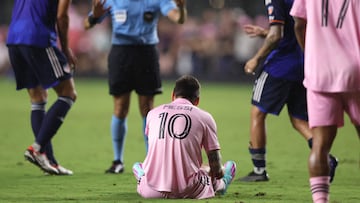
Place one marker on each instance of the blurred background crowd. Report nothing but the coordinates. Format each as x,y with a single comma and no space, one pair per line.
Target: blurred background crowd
210,45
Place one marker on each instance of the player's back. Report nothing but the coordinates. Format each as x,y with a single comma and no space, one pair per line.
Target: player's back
33,23
332,61
177,132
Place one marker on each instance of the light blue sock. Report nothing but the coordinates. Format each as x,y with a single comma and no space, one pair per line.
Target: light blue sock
118,133
145,137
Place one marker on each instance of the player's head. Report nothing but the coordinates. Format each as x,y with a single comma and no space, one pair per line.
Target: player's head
187,87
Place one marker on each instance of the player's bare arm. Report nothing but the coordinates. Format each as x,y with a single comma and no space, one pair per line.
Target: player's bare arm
274,35
63,28
98,9
300,30
255,31
178,15
214,158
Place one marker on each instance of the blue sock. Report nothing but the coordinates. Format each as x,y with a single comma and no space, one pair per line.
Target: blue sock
53,120
37,117
145,136
118,133
258,158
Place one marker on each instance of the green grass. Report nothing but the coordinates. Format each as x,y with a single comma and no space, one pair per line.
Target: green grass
83,144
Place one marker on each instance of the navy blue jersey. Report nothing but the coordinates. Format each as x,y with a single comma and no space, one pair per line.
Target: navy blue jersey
33,23
286,60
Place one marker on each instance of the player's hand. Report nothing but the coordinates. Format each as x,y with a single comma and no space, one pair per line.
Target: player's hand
98,8
71,59
216,174
180,3
250,66
254,31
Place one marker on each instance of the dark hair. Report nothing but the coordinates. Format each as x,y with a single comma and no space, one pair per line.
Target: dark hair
187,87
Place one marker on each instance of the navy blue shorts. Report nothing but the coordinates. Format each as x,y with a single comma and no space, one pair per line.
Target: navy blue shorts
134,67
34,66
271,94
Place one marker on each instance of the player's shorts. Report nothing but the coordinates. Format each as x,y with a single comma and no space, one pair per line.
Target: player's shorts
271,94
200,187
327,109
134,67
34,66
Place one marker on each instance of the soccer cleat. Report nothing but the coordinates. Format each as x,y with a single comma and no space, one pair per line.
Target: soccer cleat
333,162
63,171
229,174
116,167
254,177
138,170
40,160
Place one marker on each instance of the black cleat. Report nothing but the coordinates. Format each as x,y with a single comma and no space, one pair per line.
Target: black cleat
254,177
116,167
333,162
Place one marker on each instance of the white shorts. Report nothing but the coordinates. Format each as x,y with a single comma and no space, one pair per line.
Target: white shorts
327,109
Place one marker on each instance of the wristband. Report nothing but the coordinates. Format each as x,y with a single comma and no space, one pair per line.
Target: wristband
92,20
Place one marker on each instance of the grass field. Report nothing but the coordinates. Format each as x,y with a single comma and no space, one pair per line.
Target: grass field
83,144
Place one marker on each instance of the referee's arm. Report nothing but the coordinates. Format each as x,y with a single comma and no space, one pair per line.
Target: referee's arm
178,15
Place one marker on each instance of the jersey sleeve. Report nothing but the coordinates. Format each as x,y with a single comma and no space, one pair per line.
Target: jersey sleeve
276,11
210,141
299,9
166,6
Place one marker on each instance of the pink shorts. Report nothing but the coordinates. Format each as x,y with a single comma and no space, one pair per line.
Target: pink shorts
327,109
200,187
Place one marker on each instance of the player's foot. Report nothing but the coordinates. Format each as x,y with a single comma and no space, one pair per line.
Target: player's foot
229,174
138,170
333,164
116,167
40,160
254,177
62,171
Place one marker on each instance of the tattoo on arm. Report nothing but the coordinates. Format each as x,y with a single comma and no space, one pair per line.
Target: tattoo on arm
214,160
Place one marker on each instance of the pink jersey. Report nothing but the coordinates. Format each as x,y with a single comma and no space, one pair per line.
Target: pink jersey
332,47
177,133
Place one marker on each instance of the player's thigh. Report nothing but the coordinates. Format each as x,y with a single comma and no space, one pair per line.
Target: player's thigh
270,94
352,106
324,109
297,103
145,191
24,75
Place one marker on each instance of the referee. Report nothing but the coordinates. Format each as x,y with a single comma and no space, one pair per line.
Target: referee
133,61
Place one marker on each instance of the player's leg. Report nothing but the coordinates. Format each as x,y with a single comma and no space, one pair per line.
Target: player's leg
324,123
257,146
119,131
145,191
269,96
297,110
146,103
120,80
147,81
60,79
319,167
47,67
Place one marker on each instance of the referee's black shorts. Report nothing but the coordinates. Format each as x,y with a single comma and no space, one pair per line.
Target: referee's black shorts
134,67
